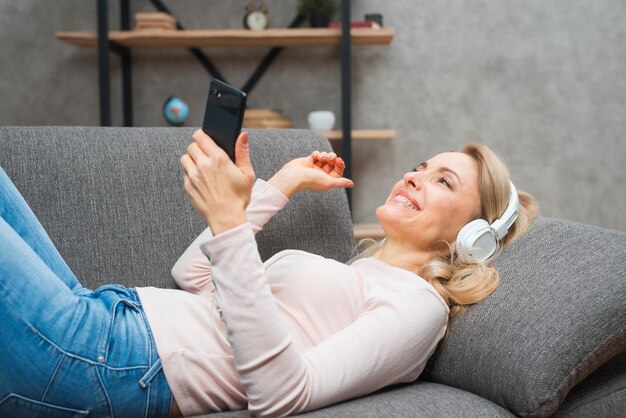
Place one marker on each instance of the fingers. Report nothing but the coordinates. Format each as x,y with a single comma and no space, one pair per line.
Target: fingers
242,157
347,183
342,182
324,156
242,152
316,158
207,145
327,161
340,165
195,152
203,151
189,167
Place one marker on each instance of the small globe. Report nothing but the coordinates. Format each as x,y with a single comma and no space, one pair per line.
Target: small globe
175,111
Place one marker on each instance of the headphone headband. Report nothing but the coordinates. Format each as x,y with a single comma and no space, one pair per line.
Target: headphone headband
501,226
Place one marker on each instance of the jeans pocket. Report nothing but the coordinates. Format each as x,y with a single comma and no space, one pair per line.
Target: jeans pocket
14,405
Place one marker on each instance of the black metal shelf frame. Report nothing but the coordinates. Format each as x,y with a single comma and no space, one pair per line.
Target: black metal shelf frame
104,71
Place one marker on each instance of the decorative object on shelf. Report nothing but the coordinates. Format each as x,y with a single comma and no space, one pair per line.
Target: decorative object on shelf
322,120
256,16
375,17
266,119
154,20
356,24
175,111
319,12
372,20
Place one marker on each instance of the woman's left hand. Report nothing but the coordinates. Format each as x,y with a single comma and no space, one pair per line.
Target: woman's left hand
220,190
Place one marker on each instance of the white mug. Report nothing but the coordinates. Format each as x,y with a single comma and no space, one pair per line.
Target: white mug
323,120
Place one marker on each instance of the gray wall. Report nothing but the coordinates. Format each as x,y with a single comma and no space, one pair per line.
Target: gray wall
542,82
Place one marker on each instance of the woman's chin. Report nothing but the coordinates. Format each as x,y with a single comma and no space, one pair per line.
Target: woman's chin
390,215
395,211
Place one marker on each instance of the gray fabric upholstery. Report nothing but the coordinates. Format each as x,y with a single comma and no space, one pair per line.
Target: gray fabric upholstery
112,198
416,400
603,394
558,314
112,201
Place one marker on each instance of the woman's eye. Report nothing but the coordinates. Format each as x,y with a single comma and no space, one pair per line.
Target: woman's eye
445,182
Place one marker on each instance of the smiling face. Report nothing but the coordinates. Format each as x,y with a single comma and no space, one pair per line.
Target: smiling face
432,203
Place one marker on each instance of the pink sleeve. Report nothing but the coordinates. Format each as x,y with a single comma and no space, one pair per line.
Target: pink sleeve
192,271
386,345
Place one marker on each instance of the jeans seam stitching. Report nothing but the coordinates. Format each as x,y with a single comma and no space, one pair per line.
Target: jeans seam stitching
106,393
54,373
147,407
149,340
103,350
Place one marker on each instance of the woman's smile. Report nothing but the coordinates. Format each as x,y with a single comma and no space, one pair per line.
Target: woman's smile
404,199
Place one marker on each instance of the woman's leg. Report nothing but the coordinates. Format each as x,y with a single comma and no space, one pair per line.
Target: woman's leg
18,215
28,285
33,301
79,353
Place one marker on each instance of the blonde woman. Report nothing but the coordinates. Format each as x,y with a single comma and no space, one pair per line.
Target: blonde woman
295,333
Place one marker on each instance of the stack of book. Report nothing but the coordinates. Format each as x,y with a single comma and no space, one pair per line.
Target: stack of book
266,119
155,20
356,24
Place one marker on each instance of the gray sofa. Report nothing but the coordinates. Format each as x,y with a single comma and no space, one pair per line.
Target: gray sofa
550,341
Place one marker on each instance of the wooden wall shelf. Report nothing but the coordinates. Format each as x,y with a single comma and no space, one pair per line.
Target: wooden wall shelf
363,134
159,38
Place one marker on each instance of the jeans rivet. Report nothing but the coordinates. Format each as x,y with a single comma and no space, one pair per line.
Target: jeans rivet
101,358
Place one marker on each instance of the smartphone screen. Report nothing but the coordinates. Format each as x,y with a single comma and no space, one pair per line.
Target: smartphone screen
224,115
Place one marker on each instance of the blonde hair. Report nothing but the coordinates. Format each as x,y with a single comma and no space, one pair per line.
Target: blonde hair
462,282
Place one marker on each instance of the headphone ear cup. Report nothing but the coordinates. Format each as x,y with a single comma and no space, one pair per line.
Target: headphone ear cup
476,241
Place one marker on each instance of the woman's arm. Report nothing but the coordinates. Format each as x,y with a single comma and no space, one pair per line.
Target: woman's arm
319,171
389,344
192,271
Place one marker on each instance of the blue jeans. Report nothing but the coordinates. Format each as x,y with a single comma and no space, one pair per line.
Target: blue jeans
66,350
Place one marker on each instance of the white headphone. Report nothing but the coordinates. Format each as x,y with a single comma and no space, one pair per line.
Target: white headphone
478,240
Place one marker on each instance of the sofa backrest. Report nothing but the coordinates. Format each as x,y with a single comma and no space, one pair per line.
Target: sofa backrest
113,203
558,314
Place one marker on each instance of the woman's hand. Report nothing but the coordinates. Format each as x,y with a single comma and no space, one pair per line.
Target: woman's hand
220,190
320,171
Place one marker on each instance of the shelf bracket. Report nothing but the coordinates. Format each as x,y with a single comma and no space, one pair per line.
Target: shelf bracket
197,52
269,58
210,67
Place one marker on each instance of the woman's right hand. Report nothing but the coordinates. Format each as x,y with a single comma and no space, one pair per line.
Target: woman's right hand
320,171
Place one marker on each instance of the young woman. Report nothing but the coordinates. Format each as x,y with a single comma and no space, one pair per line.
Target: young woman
295,333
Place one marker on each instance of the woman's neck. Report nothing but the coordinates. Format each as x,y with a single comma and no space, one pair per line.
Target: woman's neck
397,255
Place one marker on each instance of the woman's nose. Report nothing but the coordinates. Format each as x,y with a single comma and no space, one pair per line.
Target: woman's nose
413,179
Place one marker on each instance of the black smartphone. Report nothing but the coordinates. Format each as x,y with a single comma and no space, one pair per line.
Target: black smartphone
223,115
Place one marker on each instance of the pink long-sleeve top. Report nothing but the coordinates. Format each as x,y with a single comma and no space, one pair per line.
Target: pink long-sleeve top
292,334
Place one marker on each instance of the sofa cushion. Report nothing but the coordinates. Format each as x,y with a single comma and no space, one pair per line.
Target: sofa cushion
113,203
603,394
415,400
558,314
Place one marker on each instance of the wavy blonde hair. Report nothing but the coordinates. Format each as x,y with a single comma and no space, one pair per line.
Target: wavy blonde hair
460,282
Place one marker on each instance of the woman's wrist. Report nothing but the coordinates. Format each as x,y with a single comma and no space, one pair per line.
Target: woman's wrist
286,183
224,223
